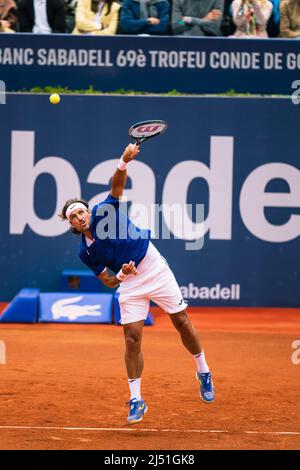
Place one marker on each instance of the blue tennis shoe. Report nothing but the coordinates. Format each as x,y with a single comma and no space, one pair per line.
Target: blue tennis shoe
137,409
207,391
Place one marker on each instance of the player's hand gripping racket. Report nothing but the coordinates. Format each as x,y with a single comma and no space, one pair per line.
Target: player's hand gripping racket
142,131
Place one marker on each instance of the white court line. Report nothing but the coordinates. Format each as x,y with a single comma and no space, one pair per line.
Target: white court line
136,429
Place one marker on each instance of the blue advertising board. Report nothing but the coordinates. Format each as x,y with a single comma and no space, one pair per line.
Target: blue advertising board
237,157
153,64
64,307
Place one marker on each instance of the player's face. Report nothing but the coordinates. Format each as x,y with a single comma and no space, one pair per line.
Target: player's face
80,219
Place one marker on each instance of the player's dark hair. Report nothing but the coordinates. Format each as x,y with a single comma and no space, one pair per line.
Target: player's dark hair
107,2
63,216
109,5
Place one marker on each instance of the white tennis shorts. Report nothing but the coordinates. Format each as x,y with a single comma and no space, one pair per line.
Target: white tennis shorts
155,281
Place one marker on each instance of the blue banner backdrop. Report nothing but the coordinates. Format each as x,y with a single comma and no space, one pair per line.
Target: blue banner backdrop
153,64
239,157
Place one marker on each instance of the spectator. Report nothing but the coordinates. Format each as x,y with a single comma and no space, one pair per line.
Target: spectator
251,17
273,27
42,16
97,17
70,8
8,16
197,17
145,17
227,25
290,19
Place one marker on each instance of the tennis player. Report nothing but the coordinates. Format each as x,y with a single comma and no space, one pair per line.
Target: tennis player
141,273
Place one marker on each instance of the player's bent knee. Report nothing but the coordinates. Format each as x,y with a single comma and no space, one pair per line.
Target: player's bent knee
133,340
178,315
181,321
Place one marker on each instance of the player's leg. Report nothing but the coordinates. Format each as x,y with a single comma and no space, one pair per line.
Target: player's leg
188,333
168,296
190,339
133,313
133,333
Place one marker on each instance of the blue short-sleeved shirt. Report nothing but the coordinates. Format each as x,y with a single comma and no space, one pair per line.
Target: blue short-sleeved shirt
117,239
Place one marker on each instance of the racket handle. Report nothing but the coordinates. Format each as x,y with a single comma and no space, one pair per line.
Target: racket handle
139,141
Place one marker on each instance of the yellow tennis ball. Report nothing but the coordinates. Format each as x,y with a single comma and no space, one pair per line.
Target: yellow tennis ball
54,98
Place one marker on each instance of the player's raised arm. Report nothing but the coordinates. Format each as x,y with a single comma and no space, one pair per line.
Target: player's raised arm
120,175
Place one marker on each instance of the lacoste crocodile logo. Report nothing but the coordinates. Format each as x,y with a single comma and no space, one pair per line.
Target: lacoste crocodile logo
66,308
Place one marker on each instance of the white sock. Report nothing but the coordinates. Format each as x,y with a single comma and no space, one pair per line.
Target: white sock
202,367
135,388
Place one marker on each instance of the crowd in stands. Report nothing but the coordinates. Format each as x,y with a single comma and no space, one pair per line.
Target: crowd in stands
234,18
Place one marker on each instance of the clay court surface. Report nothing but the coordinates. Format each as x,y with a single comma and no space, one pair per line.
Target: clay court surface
64,386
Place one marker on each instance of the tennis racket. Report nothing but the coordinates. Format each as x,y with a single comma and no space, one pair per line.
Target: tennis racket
142,131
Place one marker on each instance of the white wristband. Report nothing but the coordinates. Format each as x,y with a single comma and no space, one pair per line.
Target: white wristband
121,276
122,165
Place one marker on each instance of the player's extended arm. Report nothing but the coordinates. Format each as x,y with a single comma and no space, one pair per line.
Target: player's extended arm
119,177
109,280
